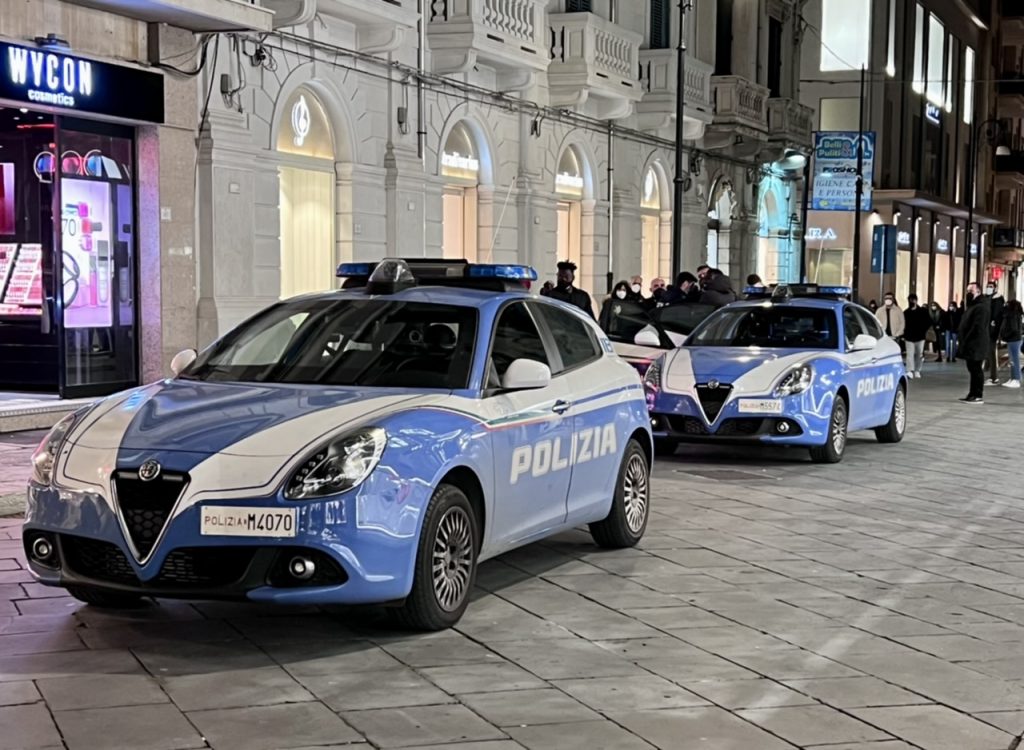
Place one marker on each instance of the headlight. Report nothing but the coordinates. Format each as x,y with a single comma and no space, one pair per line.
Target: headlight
46,454
795,381
338,466
652,378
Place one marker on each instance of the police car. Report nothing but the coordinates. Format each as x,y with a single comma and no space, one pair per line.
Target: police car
797,366
641,334
367,445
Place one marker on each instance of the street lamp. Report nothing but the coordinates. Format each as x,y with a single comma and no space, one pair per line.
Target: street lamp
990,130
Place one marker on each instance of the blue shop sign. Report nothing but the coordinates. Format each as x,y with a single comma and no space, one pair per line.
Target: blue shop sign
51,79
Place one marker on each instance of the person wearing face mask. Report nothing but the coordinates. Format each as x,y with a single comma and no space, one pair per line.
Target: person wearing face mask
996,304
953,317
566,292
620,296
636,289
937,336
873,306
917,323
1012,332
657,297
891,317
975,341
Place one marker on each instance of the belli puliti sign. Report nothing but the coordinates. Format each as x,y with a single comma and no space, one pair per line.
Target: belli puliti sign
48,78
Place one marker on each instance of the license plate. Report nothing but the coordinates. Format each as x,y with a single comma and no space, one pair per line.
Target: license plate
760,406
239,521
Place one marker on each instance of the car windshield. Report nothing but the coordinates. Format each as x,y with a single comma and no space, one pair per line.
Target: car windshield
769,326
627,319
345,341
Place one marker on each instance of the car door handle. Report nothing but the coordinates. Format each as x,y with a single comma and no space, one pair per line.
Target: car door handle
561,407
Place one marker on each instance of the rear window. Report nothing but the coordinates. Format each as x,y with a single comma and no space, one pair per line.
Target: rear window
769,327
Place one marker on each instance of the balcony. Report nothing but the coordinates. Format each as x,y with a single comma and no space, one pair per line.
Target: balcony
194,15
1010,171
593,59
509,35
381,25
657,109
790,124
740,116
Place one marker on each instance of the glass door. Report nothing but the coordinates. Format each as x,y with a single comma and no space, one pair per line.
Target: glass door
95,301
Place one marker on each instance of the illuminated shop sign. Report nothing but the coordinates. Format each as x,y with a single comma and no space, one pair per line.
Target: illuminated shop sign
903,238
932,113
569,182
942,246
43,77
817,233
461,163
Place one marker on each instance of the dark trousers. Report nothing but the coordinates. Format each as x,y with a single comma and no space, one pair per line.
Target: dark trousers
993,360
974,367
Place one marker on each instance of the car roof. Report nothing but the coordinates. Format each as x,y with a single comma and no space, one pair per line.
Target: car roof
819,303
447,295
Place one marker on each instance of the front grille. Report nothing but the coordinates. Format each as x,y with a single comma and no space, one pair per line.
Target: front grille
687,425
146,506
712,399
205,566
101,561
742,426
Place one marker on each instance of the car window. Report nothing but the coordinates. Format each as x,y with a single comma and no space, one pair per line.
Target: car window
770,327
515,337
347,342
869,323
626,319
573,338
682,318
852,325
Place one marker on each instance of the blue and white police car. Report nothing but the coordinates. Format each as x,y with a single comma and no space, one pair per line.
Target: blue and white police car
797,366
367,445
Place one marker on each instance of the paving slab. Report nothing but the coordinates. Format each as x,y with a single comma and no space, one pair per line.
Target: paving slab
935,727
158,727
273,727
405,727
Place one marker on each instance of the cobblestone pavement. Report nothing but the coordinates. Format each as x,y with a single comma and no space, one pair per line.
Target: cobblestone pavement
877,604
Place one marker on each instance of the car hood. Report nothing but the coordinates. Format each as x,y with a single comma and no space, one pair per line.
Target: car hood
242,419
749,369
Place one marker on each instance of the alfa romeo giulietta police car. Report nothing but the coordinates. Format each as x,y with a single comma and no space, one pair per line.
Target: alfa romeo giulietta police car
798,366
368,445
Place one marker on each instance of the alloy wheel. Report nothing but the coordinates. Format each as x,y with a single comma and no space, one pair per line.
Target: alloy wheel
452,563
634,493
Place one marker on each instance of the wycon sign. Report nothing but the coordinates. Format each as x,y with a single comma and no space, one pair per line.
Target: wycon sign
50,79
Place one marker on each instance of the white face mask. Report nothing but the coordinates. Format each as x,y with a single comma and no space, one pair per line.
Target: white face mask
636,288
888,303
620,293
990,291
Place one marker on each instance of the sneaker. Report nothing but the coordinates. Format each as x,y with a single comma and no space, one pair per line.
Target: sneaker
1011,384
972,400
994,381
910,375
917,375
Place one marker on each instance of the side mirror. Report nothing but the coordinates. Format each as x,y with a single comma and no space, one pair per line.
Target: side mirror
647,337
182,360
864,342
525,374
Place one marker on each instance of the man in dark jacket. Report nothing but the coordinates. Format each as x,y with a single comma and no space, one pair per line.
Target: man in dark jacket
717,289
975,341
566,292
917,322
686,289
996,304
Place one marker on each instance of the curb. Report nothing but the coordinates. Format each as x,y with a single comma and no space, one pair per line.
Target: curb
12,506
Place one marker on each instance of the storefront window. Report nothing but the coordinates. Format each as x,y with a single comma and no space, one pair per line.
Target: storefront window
460,166
569,185
830,247
650,210
924,243
943,257
904,240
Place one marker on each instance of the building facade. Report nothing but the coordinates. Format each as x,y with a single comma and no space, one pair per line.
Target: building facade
1008,237
926,98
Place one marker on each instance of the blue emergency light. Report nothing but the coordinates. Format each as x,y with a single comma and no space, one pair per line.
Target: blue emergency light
514,273
393,274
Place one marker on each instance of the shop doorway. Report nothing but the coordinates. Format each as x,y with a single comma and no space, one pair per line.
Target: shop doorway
460,168
307,182
569,184
656,224
67,255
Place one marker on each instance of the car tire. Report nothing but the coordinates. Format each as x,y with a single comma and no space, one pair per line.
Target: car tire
440,596
893,430
665,447
626,522
105,599
835,442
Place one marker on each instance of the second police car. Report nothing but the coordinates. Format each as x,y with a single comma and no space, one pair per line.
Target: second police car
369,445
797,366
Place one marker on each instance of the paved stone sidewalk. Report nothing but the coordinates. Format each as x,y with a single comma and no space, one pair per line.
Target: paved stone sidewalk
877,604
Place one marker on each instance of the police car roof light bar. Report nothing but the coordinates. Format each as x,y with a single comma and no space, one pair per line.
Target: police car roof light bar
434,271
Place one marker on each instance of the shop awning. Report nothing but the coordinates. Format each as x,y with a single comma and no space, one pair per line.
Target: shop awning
932,203
194,15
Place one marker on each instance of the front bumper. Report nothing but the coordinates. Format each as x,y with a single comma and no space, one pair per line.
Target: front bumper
372,564
680,417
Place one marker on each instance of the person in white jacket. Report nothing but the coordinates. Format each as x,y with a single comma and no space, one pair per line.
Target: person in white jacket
891,317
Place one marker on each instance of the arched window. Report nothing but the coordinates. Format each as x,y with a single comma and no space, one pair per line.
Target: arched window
655,238
569,185
305,145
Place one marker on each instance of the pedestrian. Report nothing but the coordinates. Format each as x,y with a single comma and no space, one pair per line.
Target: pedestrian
975,341
753,280
717,289
996,304
1012,331
891,317
702,271
546,289
636,289
657,297
566,292
937,334
873,306
917,323
687,289
953,317
620,294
